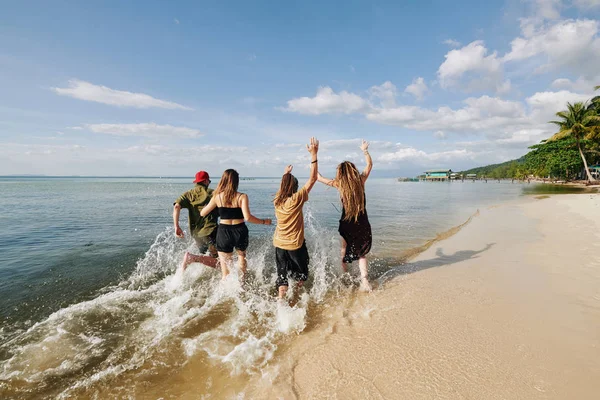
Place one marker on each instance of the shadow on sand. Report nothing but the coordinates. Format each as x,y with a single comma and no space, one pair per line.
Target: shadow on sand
440,260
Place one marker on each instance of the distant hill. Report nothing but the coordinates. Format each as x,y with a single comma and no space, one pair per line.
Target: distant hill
502,170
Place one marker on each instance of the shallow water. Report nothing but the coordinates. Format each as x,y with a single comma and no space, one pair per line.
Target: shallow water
92,306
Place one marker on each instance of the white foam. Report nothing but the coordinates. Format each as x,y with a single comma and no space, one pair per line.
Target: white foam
135,320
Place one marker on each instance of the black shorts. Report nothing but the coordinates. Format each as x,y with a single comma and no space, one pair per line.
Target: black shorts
293,262
232,236
205,242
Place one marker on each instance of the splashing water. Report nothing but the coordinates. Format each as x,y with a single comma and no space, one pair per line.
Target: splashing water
159,319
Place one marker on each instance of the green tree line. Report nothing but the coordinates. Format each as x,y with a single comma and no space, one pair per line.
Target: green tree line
563,156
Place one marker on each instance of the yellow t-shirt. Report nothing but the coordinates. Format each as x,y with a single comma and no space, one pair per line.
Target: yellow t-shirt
289,234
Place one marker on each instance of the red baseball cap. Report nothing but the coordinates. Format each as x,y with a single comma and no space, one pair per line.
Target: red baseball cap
201,176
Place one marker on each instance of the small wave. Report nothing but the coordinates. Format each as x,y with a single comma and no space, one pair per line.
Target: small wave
158,318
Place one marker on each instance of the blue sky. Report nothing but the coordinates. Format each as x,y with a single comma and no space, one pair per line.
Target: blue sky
154,88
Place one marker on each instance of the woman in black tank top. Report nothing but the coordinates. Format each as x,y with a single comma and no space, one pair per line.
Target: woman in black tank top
234,211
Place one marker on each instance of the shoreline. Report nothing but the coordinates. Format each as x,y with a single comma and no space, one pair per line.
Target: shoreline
498,310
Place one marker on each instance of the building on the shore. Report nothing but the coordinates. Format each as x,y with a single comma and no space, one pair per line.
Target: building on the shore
455,176
595,171
438,175
471,176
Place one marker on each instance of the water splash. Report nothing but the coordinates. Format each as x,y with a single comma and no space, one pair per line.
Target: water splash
158,319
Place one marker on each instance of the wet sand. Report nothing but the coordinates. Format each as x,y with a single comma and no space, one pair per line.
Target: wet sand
508,308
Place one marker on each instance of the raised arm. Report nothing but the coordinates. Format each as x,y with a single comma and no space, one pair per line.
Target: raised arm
212,204
328,182
367,171
248,215
313,149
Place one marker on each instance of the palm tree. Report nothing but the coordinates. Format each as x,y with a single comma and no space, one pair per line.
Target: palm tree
578,122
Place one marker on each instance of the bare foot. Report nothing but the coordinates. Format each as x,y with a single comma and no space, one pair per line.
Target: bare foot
186,261
365,286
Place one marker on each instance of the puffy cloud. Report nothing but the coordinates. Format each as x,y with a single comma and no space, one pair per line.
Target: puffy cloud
579,85
545,105
573,44
478,114
145,130
386,93
417,88
326,101
473,68
101,94
403,153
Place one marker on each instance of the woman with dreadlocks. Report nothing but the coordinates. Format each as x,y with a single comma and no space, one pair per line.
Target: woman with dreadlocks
354,223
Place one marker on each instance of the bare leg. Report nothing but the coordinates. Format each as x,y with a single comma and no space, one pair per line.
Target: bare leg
225,259
343,252
190,258
363,264
242,264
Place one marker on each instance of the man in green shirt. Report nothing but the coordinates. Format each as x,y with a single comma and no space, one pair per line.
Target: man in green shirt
202,229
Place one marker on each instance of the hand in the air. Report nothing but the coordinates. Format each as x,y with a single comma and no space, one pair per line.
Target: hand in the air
288,169
364,146
313,147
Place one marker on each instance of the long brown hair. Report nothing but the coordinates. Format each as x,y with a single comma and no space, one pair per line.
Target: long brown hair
289,186
352,190
228,186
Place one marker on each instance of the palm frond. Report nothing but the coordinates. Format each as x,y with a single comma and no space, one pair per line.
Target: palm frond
560,135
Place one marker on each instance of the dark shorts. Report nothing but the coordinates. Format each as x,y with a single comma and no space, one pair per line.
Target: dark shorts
205,242
292,262
231,237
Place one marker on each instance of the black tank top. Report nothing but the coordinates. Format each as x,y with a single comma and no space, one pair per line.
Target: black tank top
230,212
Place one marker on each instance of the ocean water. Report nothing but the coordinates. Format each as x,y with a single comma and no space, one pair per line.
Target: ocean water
92,304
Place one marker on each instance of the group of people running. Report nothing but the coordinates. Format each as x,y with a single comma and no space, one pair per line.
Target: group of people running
217,220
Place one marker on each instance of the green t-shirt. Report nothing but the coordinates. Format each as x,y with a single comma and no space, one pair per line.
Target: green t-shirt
195,200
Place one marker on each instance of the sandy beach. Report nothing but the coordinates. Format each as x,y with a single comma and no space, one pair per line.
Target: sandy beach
508,308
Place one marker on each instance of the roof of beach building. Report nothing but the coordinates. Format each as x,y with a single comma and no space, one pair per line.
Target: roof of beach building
431,171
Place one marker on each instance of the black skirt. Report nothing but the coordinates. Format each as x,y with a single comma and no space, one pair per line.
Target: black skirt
358,237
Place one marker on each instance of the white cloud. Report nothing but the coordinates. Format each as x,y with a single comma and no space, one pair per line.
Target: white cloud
545,105
326,101
402,153
472,68
417,88
386,94
573,44
440,135
478,115
101,94
145,130
452,43
579,85
176,21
